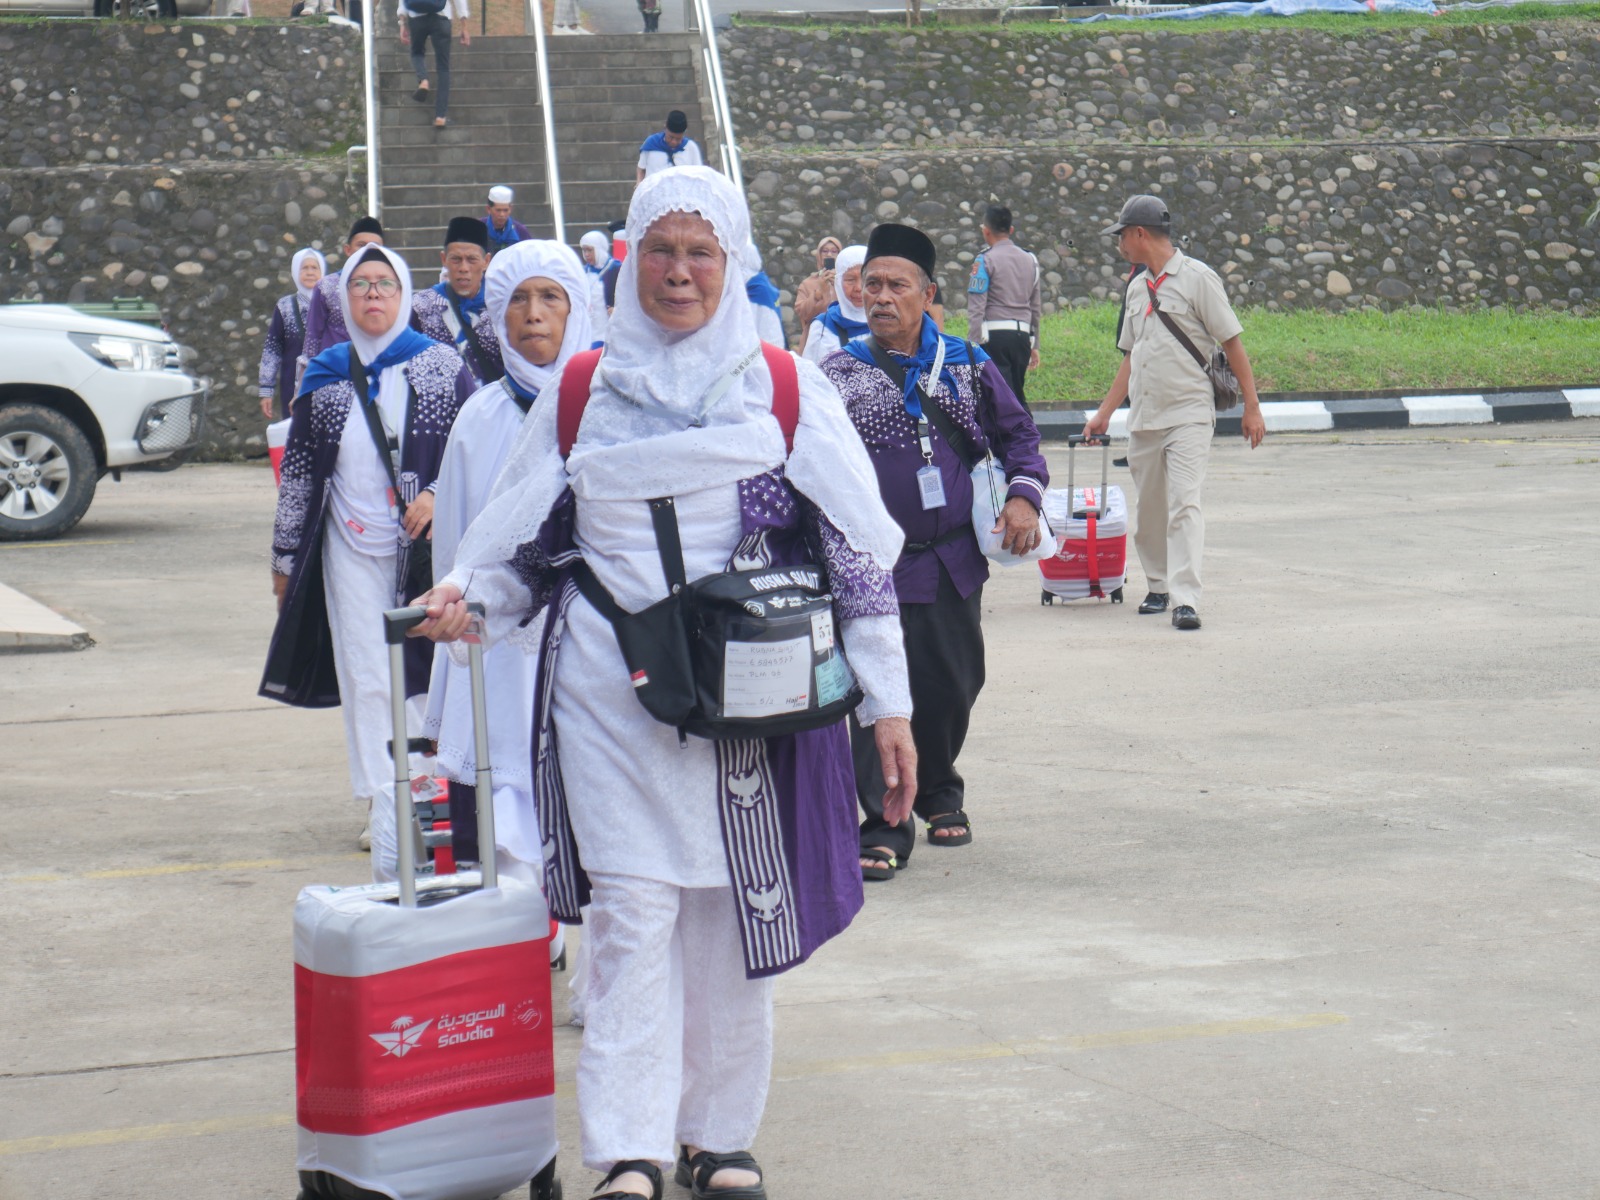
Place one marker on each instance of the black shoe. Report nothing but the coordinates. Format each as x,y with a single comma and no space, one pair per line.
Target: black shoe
696,1174
648,1169
1154,602
1184,617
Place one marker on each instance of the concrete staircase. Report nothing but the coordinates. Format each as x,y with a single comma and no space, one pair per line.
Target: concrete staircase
609,92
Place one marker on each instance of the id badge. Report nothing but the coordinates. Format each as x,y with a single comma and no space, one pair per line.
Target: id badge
931,485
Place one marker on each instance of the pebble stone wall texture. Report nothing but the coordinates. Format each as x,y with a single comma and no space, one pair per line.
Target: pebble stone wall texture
1448,166
183,164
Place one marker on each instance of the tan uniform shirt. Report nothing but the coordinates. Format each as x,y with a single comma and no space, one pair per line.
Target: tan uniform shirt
1013,291
1166,387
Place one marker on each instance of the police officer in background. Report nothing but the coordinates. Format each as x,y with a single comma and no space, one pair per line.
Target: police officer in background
1003,301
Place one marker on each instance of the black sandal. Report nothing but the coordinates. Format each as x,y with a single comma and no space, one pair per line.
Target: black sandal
696,1174
888,865
952,820
648,1169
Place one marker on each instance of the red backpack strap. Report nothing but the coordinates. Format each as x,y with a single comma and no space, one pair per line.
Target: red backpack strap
785,390
573,397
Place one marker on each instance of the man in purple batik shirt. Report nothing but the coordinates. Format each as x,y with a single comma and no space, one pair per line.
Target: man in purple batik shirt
889,382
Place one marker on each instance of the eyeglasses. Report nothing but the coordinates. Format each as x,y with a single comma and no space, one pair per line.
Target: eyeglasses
384,287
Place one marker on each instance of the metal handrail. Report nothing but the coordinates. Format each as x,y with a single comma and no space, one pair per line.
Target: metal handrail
697,16
552,169
369,56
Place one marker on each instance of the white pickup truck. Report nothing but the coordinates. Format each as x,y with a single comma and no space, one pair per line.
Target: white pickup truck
82,396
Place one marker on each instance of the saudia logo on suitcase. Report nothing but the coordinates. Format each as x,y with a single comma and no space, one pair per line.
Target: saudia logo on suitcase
405,1035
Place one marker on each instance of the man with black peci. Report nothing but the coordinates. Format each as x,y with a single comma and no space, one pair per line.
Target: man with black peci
928,406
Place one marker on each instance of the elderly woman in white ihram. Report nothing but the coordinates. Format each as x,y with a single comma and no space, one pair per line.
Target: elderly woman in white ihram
536,296
710,866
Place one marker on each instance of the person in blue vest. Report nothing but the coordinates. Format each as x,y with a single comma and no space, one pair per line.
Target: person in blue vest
845,318
669,147
452,311
763,296
504,229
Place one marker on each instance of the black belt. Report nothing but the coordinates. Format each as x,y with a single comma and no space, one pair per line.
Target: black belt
944,539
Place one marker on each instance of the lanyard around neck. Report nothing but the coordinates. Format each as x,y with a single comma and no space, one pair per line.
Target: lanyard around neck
913,402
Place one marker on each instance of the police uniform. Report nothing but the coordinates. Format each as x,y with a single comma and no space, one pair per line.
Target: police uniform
1003,309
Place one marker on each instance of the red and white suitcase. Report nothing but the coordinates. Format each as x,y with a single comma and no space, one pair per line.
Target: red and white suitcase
423,1055
1091,526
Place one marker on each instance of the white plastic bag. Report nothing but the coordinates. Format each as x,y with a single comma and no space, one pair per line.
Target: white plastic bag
988,498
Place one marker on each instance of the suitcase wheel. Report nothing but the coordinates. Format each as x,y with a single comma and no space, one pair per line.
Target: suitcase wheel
560,963
1046,598
1116,596
545,1185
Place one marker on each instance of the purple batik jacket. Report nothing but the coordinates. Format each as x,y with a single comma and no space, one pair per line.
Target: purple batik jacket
280,353
441,385
479,347
791,840
877,408
324,319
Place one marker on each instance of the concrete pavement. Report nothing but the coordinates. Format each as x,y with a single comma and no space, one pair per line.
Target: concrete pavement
1301,905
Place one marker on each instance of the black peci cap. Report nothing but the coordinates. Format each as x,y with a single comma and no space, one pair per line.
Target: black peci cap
677,122
902,241
467,229
364,225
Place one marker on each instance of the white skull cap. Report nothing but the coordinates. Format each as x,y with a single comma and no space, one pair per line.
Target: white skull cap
501,195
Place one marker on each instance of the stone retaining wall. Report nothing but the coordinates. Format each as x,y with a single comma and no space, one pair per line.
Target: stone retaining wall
182,164
1452,165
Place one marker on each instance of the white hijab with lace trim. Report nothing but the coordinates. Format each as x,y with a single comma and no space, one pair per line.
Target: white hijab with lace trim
537,259
649,430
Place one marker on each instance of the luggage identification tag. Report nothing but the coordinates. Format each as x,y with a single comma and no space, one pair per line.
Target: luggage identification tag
931,486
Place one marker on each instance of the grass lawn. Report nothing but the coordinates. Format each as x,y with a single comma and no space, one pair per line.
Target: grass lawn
1308,351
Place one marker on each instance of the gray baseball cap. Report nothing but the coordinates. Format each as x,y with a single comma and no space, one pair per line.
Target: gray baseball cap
1150,211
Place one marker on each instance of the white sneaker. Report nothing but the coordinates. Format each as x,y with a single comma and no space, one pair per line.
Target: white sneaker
562,30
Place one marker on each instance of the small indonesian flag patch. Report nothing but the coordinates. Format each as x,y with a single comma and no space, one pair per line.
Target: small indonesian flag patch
640,678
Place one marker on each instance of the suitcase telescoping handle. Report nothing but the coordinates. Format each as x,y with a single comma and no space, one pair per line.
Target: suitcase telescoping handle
1074,440
395,623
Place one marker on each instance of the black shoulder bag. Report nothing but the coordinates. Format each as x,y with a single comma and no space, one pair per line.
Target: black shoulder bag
419,556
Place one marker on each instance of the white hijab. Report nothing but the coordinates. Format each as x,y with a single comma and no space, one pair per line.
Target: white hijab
601,245
850,256
366,346
647,430
550,260
297,262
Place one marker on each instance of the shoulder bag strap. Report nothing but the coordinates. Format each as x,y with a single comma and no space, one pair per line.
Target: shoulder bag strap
1176,332
387,451
785,390
299,313
573,397
463,332
937,417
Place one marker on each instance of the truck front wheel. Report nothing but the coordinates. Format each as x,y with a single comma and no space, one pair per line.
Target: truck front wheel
47,473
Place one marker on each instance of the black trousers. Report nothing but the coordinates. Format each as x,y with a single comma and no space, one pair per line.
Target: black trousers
1011,349
434,27
944,658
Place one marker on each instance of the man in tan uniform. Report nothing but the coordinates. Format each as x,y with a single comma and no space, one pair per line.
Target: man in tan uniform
1003,305
1171,415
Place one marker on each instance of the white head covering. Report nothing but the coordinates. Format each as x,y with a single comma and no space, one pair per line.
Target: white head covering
600,243
366,346
296,263
500,194
550,260
648,431
850,256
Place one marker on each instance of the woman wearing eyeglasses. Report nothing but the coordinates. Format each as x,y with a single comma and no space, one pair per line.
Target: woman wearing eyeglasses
354,511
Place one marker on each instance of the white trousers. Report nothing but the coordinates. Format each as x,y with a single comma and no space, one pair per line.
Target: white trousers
359,588
1169,469
677,1043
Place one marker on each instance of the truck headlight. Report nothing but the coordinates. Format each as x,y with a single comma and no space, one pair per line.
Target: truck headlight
122,354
